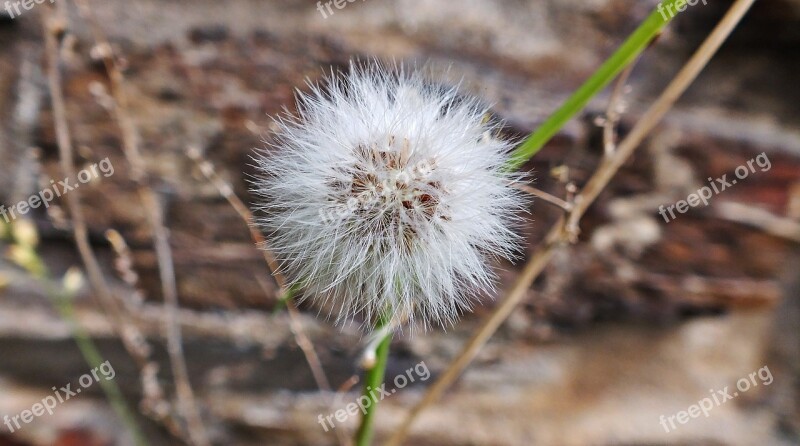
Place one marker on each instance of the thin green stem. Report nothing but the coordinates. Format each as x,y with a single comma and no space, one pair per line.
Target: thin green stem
372,380
625,54
63,303
61,296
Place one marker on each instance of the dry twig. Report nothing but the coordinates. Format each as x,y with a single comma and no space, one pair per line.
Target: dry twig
133,340
550,198
195,430
616,106
302,340
226,191
562,229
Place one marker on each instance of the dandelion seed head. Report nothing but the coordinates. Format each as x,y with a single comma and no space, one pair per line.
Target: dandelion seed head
386,196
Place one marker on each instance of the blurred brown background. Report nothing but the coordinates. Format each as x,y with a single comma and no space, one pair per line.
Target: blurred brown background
638,320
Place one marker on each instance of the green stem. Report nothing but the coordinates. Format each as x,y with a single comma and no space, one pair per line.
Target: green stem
62,296
92,356
625,54
372,380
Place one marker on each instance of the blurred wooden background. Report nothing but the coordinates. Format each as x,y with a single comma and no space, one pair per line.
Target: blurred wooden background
637,320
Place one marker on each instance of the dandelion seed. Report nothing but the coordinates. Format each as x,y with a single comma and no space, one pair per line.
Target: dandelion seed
386,196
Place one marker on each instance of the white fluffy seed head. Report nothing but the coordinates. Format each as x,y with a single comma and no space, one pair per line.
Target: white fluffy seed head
387,197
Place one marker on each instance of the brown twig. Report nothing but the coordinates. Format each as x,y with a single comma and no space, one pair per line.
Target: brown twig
133,340
53,28
226,191
305,344
195,431
550,198
500,314
302,340
153,401
104,52
183,388
560,232
614,110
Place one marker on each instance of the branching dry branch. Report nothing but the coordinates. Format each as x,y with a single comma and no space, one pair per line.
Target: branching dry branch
226,191
560,232
195,429
552,199
616,106
302,340
133,340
